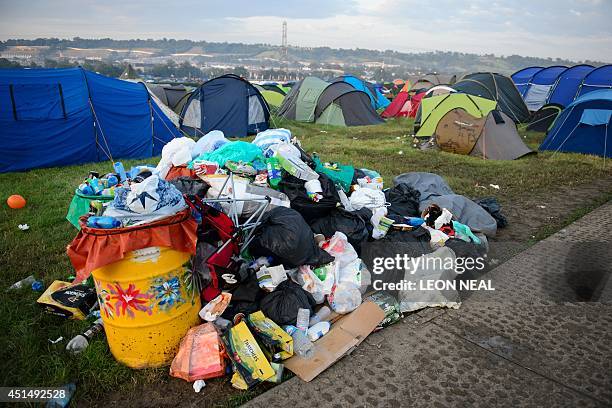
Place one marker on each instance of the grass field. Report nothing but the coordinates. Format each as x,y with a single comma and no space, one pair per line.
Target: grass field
30,359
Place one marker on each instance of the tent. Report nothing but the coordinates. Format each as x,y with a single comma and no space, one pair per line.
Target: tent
227,103
429,80
496,87
274,98
584,126
491,137
399,107
567,84
378,99
522,78
57,117
433,109
542,119
173,96
597,79
439,90
541,85
338,103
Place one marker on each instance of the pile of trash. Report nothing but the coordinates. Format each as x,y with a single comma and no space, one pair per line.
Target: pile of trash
284,250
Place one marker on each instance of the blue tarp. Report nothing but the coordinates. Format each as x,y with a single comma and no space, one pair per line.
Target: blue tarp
56,117
568,83
378,99
584,126
600,78
230,104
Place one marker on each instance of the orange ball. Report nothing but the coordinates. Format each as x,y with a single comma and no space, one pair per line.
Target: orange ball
16,201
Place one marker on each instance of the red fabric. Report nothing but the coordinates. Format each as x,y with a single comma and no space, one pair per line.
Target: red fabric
94,247
395,108
416,102
180,171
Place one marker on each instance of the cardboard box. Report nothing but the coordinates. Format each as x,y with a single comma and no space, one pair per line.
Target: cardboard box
346,334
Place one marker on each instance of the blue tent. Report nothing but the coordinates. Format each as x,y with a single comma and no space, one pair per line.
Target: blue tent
56,117
227,103
522,78
585,126
568,83
540,86
600,78
378,99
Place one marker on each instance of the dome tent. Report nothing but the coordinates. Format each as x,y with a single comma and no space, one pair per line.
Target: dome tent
338,103
598,79
541,85
567,84
58,117
170,95
584,126
498,88
227,103
378,99
433,109
522,78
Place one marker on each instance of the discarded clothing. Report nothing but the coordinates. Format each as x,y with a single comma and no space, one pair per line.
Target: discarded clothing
427,184
234,151
492,206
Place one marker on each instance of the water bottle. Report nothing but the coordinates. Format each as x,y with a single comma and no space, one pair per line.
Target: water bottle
23,283
120,171
321,315
318,330
274,172
303,318
81,341
103,222
302,346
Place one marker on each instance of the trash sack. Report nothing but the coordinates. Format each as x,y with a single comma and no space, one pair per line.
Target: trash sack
294,188
342,251
427,184
200,355
492,206
235,151
242,189
368,198
404,201
144,202
319,281
176,152
284,234
345,298
271,137
466,212
340,174
283,304
245,298
190,186
355,225
389,304
209,142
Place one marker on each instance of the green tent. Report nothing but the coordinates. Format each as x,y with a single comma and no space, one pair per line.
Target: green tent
301,101
274,98
433,109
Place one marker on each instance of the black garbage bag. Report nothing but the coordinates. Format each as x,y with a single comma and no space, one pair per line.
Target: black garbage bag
284,235
282,305
246,298
353,224
294,188
492,206
404,201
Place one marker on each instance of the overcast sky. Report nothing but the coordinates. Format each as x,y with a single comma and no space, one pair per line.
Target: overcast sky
575,29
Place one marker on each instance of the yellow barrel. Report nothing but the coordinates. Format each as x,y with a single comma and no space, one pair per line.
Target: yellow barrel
148,302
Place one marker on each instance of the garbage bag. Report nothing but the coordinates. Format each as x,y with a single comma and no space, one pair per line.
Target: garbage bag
428,184
176,152
340,175
200,355
345,298
466,212
209,142
492,206
234,151
368,198
354,224
294,188
283,304
404,201
264,140
285,235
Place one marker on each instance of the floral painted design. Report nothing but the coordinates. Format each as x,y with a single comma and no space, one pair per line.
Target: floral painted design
129,300
104,300
190,284
167,292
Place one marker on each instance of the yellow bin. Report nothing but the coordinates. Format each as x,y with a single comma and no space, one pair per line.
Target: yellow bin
148,302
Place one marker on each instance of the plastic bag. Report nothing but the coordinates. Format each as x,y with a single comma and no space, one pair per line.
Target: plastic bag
319,281
176,152
292,163
283,304
295,189
355,225
209,142
404,201
344,298
270,137
367,197
389,304
235,151
200,355
285,235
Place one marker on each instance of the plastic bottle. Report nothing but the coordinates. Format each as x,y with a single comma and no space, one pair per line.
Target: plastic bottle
318,330
274,172
303,318
81,341
321,315
302,346
120,171
23,283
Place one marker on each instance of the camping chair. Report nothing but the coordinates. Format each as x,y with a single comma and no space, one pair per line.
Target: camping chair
223,239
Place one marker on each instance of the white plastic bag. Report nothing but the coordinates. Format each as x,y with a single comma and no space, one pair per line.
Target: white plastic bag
209,142
368,198
345,298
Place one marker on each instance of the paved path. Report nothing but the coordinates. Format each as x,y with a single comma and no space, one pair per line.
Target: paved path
543,338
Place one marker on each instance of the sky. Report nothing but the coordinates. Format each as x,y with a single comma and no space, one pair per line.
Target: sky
572,29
